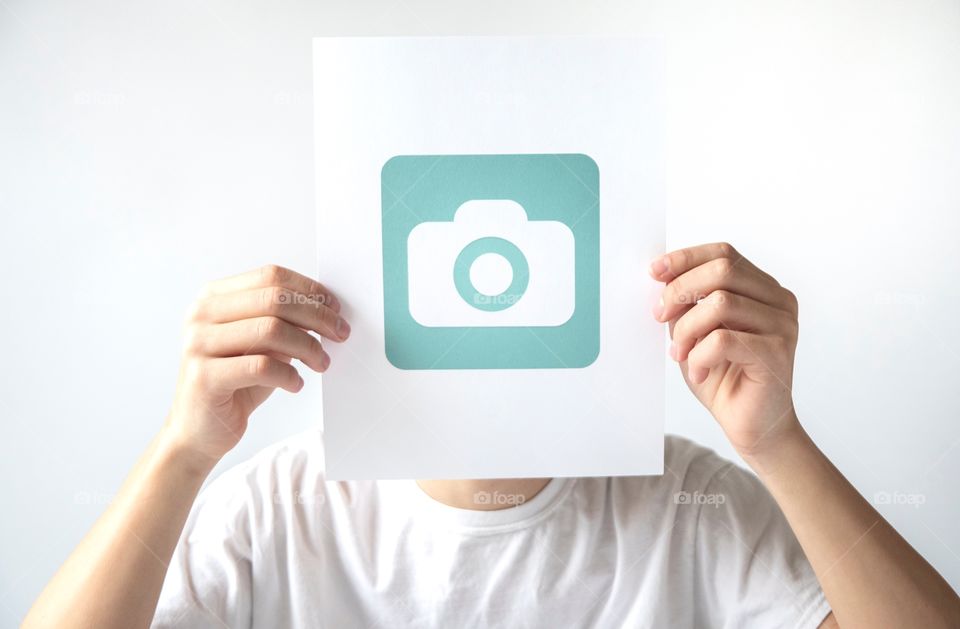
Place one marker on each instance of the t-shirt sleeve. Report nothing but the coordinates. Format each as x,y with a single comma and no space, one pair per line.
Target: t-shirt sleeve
751,569
208,582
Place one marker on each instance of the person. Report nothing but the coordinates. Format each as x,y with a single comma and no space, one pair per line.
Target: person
708,544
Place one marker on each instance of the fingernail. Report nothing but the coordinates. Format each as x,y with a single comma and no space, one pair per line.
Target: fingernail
324,361
343,328
658,309
334,303
659,266
673,351
300,386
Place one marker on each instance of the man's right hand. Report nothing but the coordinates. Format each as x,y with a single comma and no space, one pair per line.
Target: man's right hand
241,336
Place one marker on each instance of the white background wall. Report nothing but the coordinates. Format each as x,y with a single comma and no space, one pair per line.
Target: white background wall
147,147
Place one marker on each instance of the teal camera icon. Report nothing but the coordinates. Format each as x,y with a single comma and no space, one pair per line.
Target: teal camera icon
491,261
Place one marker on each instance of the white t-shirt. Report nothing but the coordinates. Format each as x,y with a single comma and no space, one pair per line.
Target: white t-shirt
270,544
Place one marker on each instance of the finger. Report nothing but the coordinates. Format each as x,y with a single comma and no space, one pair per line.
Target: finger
273,275
673,322
255,370
675,263
273,301
721,274
672,265
755,354
722,309
261,335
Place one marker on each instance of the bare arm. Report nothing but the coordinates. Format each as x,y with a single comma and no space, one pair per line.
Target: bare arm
114,576
242,336
870,574
734,331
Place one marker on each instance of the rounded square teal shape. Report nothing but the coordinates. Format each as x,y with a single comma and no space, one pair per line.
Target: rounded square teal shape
562,187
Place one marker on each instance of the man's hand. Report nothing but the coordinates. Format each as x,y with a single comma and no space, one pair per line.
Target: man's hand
241,336
734,331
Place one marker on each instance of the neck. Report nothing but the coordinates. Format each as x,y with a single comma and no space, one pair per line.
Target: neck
483,495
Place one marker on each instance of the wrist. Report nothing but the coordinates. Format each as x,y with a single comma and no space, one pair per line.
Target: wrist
174,449
780,453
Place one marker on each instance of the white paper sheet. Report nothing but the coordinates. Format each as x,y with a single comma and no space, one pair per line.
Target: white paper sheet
469,192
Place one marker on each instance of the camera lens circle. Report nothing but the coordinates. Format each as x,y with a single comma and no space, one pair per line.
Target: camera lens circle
501,247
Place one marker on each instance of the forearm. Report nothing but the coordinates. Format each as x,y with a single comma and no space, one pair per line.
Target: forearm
114,577
869,573
242,335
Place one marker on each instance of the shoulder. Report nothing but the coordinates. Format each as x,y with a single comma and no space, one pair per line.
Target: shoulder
240,517
687,467
695,481
288,470
289,457
690,464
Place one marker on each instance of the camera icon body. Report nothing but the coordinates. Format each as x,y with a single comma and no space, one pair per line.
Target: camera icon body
489,267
